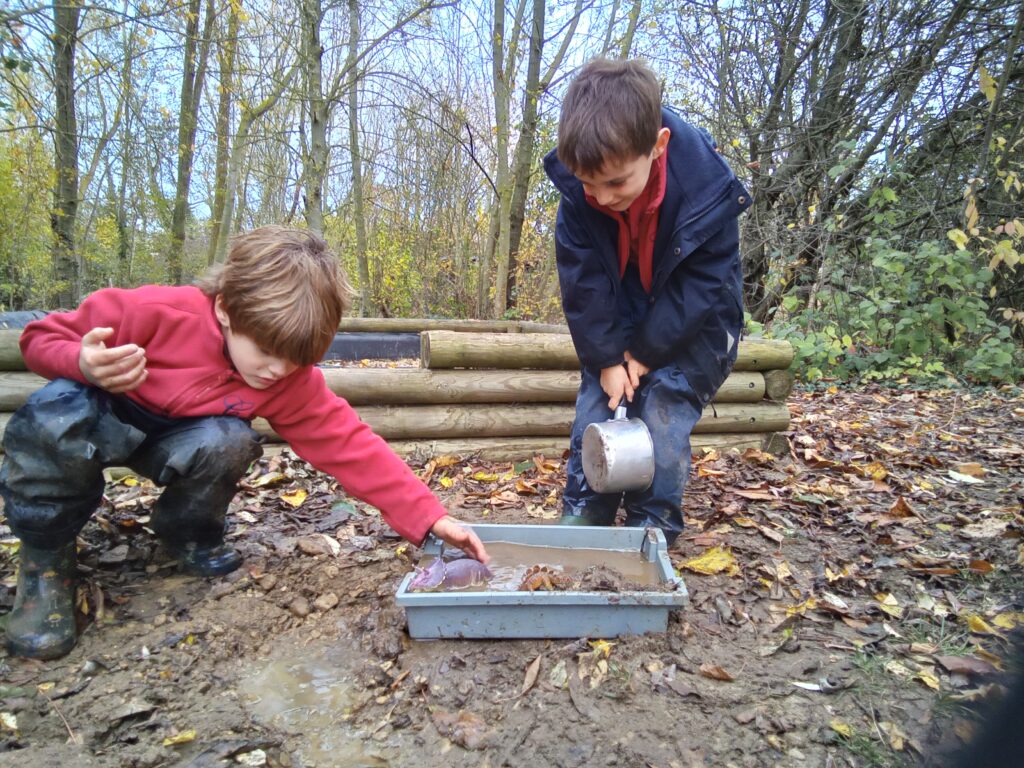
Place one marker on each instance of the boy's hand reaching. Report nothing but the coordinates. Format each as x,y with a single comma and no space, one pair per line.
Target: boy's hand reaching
118,369
450,531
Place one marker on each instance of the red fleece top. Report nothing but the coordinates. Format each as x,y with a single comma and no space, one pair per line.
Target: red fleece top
639,226
191,375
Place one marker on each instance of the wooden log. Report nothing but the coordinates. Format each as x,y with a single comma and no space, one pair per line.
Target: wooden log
447,349
415,325
416,386
408,386
524,448
458,421
15,387
10,352
764,355
778,384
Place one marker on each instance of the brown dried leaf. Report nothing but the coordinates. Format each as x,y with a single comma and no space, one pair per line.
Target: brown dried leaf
531,676
715,672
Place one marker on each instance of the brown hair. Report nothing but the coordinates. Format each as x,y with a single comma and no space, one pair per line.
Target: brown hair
284,289
612,111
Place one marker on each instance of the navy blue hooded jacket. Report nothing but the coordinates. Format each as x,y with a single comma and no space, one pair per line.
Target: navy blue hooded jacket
696,305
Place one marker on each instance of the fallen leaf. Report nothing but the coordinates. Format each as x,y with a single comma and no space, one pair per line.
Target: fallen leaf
715,672
897,738
181,738
1008,620
295,499
961,478
843,729
964,665
979,626
889,604
268,479
714,560
971,469
531,676
559,675
928,679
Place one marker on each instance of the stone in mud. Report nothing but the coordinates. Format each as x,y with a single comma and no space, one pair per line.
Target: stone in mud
326,602
299,607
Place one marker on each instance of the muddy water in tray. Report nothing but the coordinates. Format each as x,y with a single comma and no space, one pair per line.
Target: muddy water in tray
307,694
509,563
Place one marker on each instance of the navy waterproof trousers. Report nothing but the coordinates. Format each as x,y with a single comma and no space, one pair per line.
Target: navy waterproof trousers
57,445
668,406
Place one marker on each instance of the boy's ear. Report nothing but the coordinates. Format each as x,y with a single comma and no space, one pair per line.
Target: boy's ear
220,312
664,134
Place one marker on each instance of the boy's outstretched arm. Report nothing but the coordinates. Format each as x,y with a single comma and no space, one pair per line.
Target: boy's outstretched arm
450,531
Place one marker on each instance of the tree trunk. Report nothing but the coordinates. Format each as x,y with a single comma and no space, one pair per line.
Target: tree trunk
319,153
67,268
226,59
358,212
197,51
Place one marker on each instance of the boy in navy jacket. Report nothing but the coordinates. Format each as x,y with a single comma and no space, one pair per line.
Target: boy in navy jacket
647,248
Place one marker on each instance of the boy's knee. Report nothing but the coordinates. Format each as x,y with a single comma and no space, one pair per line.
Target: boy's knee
225,443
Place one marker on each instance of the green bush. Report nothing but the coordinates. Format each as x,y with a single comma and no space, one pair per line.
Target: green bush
920,314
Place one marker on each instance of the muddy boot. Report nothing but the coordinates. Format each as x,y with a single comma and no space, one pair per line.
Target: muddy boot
42,623
577,520
200,560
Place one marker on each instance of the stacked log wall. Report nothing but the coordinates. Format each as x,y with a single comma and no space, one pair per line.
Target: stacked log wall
502,394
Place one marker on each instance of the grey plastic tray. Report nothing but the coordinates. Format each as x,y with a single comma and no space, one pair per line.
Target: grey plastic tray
504,614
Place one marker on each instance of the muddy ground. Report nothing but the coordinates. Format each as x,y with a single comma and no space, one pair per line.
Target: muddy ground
854,600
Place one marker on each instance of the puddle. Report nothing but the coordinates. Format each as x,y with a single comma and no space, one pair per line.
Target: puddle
509,563
308,695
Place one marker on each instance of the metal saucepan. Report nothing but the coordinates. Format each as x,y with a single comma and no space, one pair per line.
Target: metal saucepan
618,454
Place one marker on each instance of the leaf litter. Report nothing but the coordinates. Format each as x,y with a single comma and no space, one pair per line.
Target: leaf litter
860,567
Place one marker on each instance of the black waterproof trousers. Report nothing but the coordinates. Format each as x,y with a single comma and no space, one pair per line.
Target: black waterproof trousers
57,445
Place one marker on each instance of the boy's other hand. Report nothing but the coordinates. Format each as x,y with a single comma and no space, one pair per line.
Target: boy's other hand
450,531
635,369
615,382
117,369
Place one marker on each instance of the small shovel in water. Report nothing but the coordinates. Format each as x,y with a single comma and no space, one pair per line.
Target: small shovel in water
618,454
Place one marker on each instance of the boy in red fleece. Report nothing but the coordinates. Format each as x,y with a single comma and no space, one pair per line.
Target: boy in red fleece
165,380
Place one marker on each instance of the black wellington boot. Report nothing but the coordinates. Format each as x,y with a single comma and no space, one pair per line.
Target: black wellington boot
42,623
200,560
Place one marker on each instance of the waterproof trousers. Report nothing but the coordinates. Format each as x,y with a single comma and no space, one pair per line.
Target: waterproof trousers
57,445
668,406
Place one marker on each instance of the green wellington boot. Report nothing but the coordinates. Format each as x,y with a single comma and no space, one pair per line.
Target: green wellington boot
42,623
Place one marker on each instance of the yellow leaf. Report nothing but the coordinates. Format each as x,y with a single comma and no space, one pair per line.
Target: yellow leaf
268,479
807,605
1008,620
602,646
979,625
843,729
714,560
182,738
959,238
129,481
295,499
889,604
928,679
484,477
987,83
972,469
446,482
